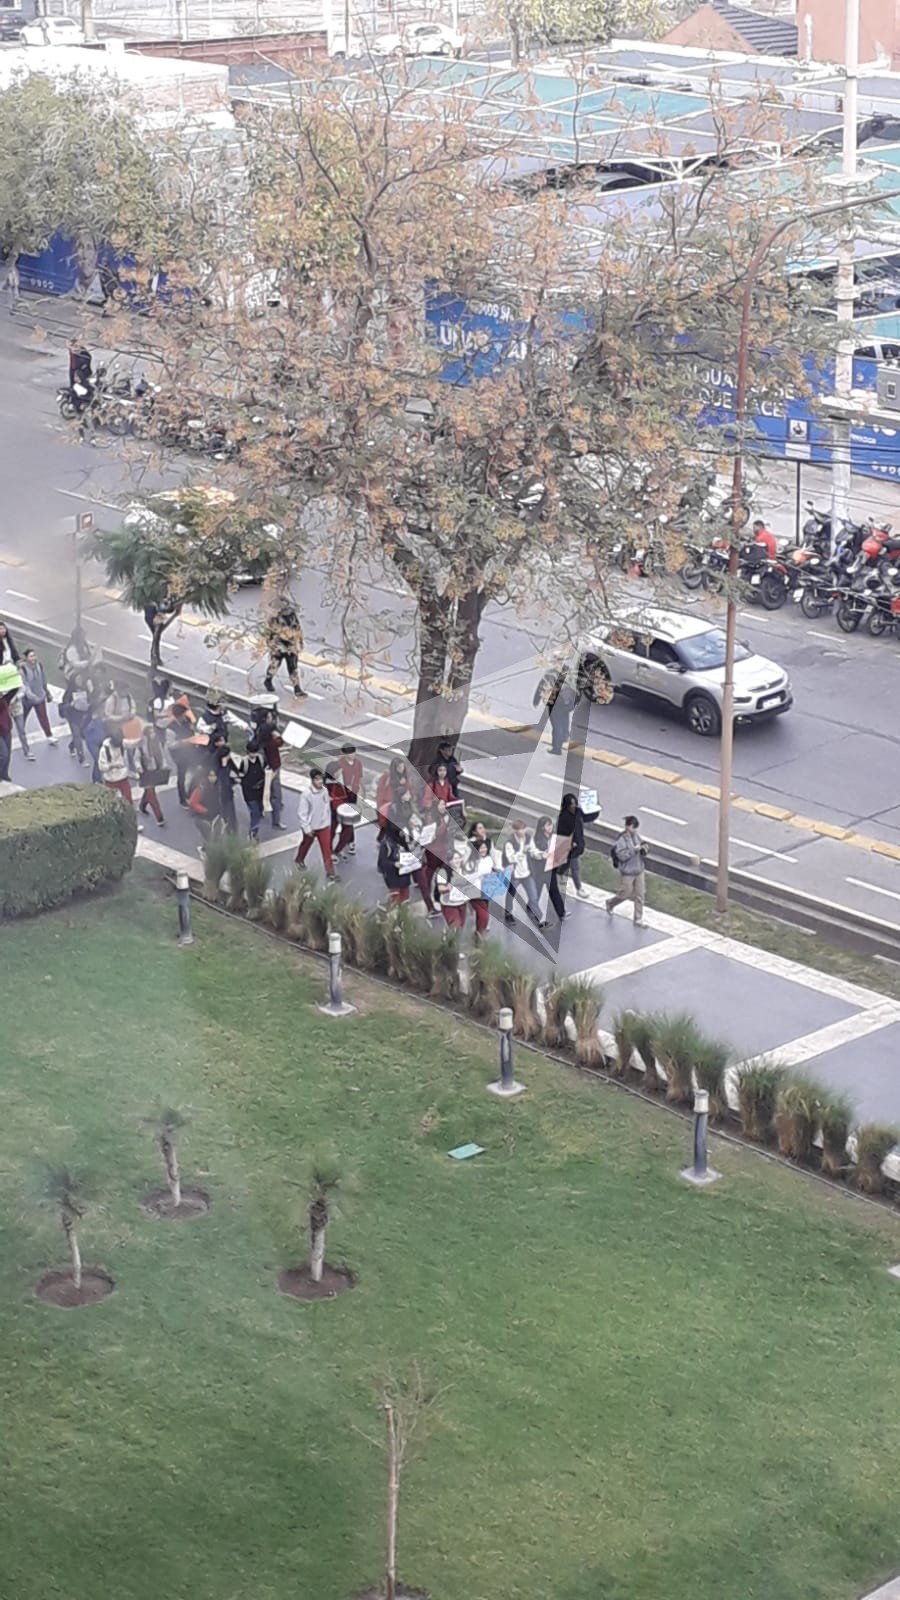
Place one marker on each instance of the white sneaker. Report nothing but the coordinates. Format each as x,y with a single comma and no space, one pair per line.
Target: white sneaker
30,756
582,893
52,741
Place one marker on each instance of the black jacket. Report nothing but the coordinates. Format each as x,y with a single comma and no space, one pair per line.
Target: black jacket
388,854
570,825
253,779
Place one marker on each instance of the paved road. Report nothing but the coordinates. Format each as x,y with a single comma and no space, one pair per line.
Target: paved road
818,808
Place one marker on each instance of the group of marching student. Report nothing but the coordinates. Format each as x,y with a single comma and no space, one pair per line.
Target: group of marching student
424,841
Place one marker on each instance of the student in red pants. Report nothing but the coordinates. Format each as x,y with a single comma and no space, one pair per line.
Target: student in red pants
344,780
450,892
481,862
315,822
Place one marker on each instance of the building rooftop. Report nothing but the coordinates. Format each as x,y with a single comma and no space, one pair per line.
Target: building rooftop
767,35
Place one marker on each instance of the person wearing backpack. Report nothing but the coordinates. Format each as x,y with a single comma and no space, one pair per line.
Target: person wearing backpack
628,856
154,774
252,771
517,860
75,709
35,697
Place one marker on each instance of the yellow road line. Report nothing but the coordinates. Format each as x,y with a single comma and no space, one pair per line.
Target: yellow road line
829,831
881,849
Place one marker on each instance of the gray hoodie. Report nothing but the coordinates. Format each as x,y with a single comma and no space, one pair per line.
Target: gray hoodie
34,682
629,854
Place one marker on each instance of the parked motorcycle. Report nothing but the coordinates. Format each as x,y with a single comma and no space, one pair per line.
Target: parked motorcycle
113,402
819,588
707,567
857,602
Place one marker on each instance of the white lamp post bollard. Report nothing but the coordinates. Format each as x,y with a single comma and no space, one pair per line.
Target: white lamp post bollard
506,1086
337,1006
183,892
701,1173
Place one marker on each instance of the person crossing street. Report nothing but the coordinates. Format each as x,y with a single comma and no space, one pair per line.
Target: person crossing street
284,639
556,694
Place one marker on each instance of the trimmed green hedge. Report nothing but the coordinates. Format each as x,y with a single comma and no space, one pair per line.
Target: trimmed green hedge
59,842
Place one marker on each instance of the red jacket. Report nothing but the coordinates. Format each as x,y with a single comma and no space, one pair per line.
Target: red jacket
271,749
437,792
350,770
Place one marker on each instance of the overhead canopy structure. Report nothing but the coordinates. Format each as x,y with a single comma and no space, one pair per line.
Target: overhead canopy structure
619,127
566,116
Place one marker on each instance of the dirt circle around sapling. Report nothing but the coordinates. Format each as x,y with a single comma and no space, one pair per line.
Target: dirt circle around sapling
57,1289
297,1282
194,1203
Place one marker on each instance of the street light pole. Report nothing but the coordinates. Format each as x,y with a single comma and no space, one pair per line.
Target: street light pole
844,288
737,520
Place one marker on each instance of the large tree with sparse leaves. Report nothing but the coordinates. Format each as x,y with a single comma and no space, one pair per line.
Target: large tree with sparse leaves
509,482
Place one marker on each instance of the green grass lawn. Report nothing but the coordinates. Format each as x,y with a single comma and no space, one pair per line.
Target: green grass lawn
650,1392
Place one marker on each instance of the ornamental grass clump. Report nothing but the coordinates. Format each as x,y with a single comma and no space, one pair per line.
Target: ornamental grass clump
710,1064
759,1083
633,1032
874,1141
677,1042
836,1120
797,1111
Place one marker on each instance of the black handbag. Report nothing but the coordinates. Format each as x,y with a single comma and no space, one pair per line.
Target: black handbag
157,779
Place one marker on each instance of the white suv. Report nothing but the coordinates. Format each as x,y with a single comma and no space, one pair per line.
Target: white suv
662,655
52,30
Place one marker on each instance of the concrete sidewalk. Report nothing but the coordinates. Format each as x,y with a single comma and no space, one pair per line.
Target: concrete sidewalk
846,1035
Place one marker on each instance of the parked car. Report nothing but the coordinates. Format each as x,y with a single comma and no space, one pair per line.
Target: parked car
664,656
52,30
159,513
10,26
419,39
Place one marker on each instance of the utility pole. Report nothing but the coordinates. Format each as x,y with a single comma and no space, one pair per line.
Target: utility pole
843,369
87,19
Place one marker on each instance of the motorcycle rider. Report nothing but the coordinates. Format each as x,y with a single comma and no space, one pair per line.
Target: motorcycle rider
763,535
81,374
82,387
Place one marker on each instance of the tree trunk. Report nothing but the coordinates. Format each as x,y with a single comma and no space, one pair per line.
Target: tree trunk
173,1176
515,43
72,1241
317,1255
448,648
393,1503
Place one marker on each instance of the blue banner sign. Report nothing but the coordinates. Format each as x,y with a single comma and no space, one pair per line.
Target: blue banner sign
477,337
